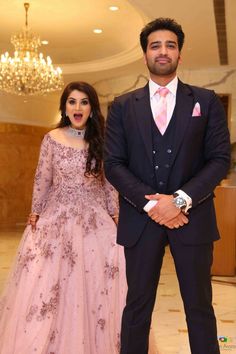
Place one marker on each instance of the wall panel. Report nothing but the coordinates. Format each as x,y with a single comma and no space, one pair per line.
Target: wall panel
19,151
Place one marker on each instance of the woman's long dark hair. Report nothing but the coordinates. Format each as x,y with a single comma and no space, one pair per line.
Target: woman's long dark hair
94,134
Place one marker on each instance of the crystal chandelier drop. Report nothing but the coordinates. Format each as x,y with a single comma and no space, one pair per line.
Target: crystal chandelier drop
28,73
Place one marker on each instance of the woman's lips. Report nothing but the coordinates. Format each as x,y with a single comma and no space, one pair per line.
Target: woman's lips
78,116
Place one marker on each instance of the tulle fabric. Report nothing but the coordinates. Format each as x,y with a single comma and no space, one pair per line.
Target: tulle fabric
66,291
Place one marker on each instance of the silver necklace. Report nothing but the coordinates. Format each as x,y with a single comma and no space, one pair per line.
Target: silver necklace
76,132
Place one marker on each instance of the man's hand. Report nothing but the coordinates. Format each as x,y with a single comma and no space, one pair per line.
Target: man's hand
164,211
178,221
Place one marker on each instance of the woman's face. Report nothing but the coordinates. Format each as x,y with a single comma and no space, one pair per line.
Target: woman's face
78,109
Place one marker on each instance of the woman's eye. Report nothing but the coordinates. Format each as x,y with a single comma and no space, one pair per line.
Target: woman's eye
84,102
71,102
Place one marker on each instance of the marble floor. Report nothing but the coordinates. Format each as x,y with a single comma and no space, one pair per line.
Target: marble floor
169,331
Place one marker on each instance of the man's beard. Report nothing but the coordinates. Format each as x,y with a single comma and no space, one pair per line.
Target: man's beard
165,70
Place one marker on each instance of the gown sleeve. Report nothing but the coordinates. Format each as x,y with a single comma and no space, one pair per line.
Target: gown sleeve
112,202
43,176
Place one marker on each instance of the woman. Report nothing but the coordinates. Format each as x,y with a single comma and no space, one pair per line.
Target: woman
67,289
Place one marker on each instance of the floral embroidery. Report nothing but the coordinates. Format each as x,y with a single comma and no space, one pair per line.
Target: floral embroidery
101,323
104,292
25,259
53,336
92,220
111,270
66,184
46,251
32,312
51,305
118,344
69,254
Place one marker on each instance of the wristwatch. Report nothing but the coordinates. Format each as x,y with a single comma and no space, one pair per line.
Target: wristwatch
179,201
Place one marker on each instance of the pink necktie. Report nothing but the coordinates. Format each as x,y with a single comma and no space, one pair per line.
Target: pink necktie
161,112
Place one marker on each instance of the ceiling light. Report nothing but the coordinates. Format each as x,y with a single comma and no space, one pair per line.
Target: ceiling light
44,42
113,8
97,30
27,72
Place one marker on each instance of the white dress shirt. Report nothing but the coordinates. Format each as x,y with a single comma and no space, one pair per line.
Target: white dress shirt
171,100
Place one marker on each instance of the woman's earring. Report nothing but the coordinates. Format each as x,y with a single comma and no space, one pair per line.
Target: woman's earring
91,115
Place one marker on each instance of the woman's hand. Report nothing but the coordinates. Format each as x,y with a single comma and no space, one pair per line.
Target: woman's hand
32,220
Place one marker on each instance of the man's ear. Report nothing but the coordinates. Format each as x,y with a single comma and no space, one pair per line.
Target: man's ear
180,59
144,58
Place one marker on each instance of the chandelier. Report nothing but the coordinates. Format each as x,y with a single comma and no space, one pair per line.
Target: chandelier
28,73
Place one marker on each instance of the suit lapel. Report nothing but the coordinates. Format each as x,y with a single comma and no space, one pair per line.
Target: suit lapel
143,115
183,112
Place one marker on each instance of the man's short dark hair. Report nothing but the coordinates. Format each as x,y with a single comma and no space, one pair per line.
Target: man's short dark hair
161,24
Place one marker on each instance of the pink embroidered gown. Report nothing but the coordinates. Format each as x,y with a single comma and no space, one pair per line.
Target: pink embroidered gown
67,289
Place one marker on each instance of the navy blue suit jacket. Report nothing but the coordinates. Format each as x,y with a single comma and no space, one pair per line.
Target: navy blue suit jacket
200,160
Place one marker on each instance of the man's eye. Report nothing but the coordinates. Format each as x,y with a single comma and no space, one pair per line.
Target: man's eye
154,47
171,45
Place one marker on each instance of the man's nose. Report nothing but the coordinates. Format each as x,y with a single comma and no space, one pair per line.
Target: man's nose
163,49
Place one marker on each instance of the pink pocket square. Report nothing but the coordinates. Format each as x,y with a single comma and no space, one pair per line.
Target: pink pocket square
196,110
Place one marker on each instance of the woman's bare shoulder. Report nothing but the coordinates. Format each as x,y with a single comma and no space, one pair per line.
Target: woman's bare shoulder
56,133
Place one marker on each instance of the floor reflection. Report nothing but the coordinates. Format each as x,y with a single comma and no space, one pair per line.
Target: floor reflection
169,330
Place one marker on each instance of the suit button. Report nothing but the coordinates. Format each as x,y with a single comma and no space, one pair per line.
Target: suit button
169,151
161,183
156,167
154,152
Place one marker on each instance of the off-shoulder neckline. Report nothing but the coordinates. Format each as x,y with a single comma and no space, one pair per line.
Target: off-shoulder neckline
64,145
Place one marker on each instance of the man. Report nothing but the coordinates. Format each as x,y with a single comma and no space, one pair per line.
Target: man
165,175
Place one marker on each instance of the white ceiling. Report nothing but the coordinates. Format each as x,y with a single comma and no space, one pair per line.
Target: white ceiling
68,26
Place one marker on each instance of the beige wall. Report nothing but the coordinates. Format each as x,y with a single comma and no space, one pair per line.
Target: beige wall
43,110
222,80
19,149
19,144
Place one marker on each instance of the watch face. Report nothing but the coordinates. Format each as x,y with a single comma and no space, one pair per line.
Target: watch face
179,202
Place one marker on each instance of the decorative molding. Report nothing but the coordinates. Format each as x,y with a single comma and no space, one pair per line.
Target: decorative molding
111,95
132,87
221,81
124,58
